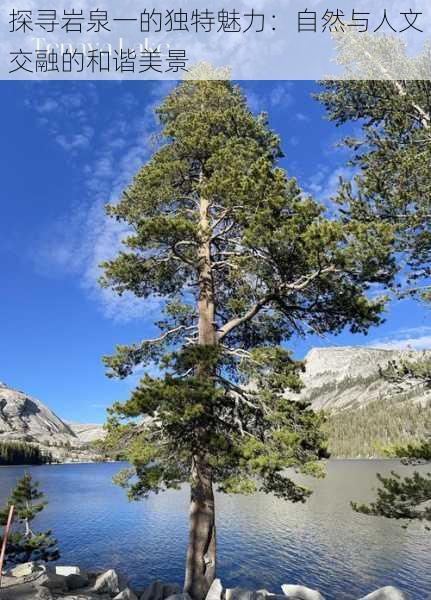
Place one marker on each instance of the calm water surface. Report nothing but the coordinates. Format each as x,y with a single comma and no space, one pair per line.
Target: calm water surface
262,541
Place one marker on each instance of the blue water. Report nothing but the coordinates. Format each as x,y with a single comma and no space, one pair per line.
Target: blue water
262,542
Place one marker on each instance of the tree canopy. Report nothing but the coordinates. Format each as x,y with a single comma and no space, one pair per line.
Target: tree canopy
391,158
242,261
409,497
393,184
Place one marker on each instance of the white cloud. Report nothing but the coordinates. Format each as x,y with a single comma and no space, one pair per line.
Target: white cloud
281,96
85,236
76,140
324,183
46,106
415,338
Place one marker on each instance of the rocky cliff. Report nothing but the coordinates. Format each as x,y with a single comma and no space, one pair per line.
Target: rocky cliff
339,378
26,419
366,413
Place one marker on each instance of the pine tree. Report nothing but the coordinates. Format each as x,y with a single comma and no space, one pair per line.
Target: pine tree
242,261
391,159
393,184
398,497
23,543
21,453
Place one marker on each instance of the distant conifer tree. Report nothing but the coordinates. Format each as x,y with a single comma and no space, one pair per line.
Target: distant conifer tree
405,497
25,544
21,453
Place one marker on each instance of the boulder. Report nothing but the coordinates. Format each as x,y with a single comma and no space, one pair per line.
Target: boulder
24,569
153,591
107,583
126,594
52,581
182,596
44,594
171,589
386,593
76,581
85,596
215,591
62,570
300,592
25,591
239,594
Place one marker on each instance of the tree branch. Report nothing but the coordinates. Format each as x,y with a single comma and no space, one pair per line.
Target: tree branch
234,323
298,285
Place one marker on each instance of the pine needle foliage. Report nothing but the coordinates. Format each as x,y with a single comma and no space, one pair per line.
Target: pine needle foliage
242,260
24,544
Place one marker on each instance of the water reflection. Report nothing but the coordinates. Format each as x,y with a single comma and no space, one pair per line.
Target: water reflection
263,541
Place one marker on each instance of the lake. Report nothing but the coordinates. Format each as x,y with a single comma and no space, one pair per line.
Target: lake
262,542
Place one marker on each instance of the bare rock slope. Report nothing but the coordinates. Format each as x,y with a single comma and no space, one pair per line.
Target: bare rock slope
26,419
348,377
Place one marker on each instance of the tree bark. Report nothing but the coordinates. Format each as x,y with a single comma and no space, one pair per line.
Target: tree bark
201,553
207,333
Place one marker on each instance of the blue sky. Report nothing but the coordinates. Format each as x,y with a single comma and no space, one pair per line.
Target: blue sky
66,149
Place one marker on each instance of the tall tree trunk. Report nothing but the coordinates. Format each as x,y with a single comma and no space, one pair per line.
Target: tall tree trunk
201,553
207,333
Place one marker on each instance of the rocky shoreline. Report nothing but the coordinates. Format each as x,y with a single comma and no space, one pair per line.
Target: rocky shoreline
32,581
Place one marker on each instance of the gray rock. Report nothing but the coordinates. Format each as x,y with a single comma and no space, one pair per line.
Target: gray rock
24,569
153,591
215,591
85,596
335,365
171,589
239,594
126,594
386,593
63,570
182,596
300,592
25,591
52,581
44,594
107,583
266,595
76,581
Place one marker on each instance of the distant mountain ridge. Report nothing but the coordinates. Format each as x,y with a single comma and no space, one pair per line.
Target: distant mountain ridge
366,413
347,377
26,419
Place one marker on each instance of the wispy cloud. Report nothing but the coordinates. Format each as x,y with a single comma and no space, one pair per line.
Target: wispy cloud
76,140
324,183
280,96
415,338
108,155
